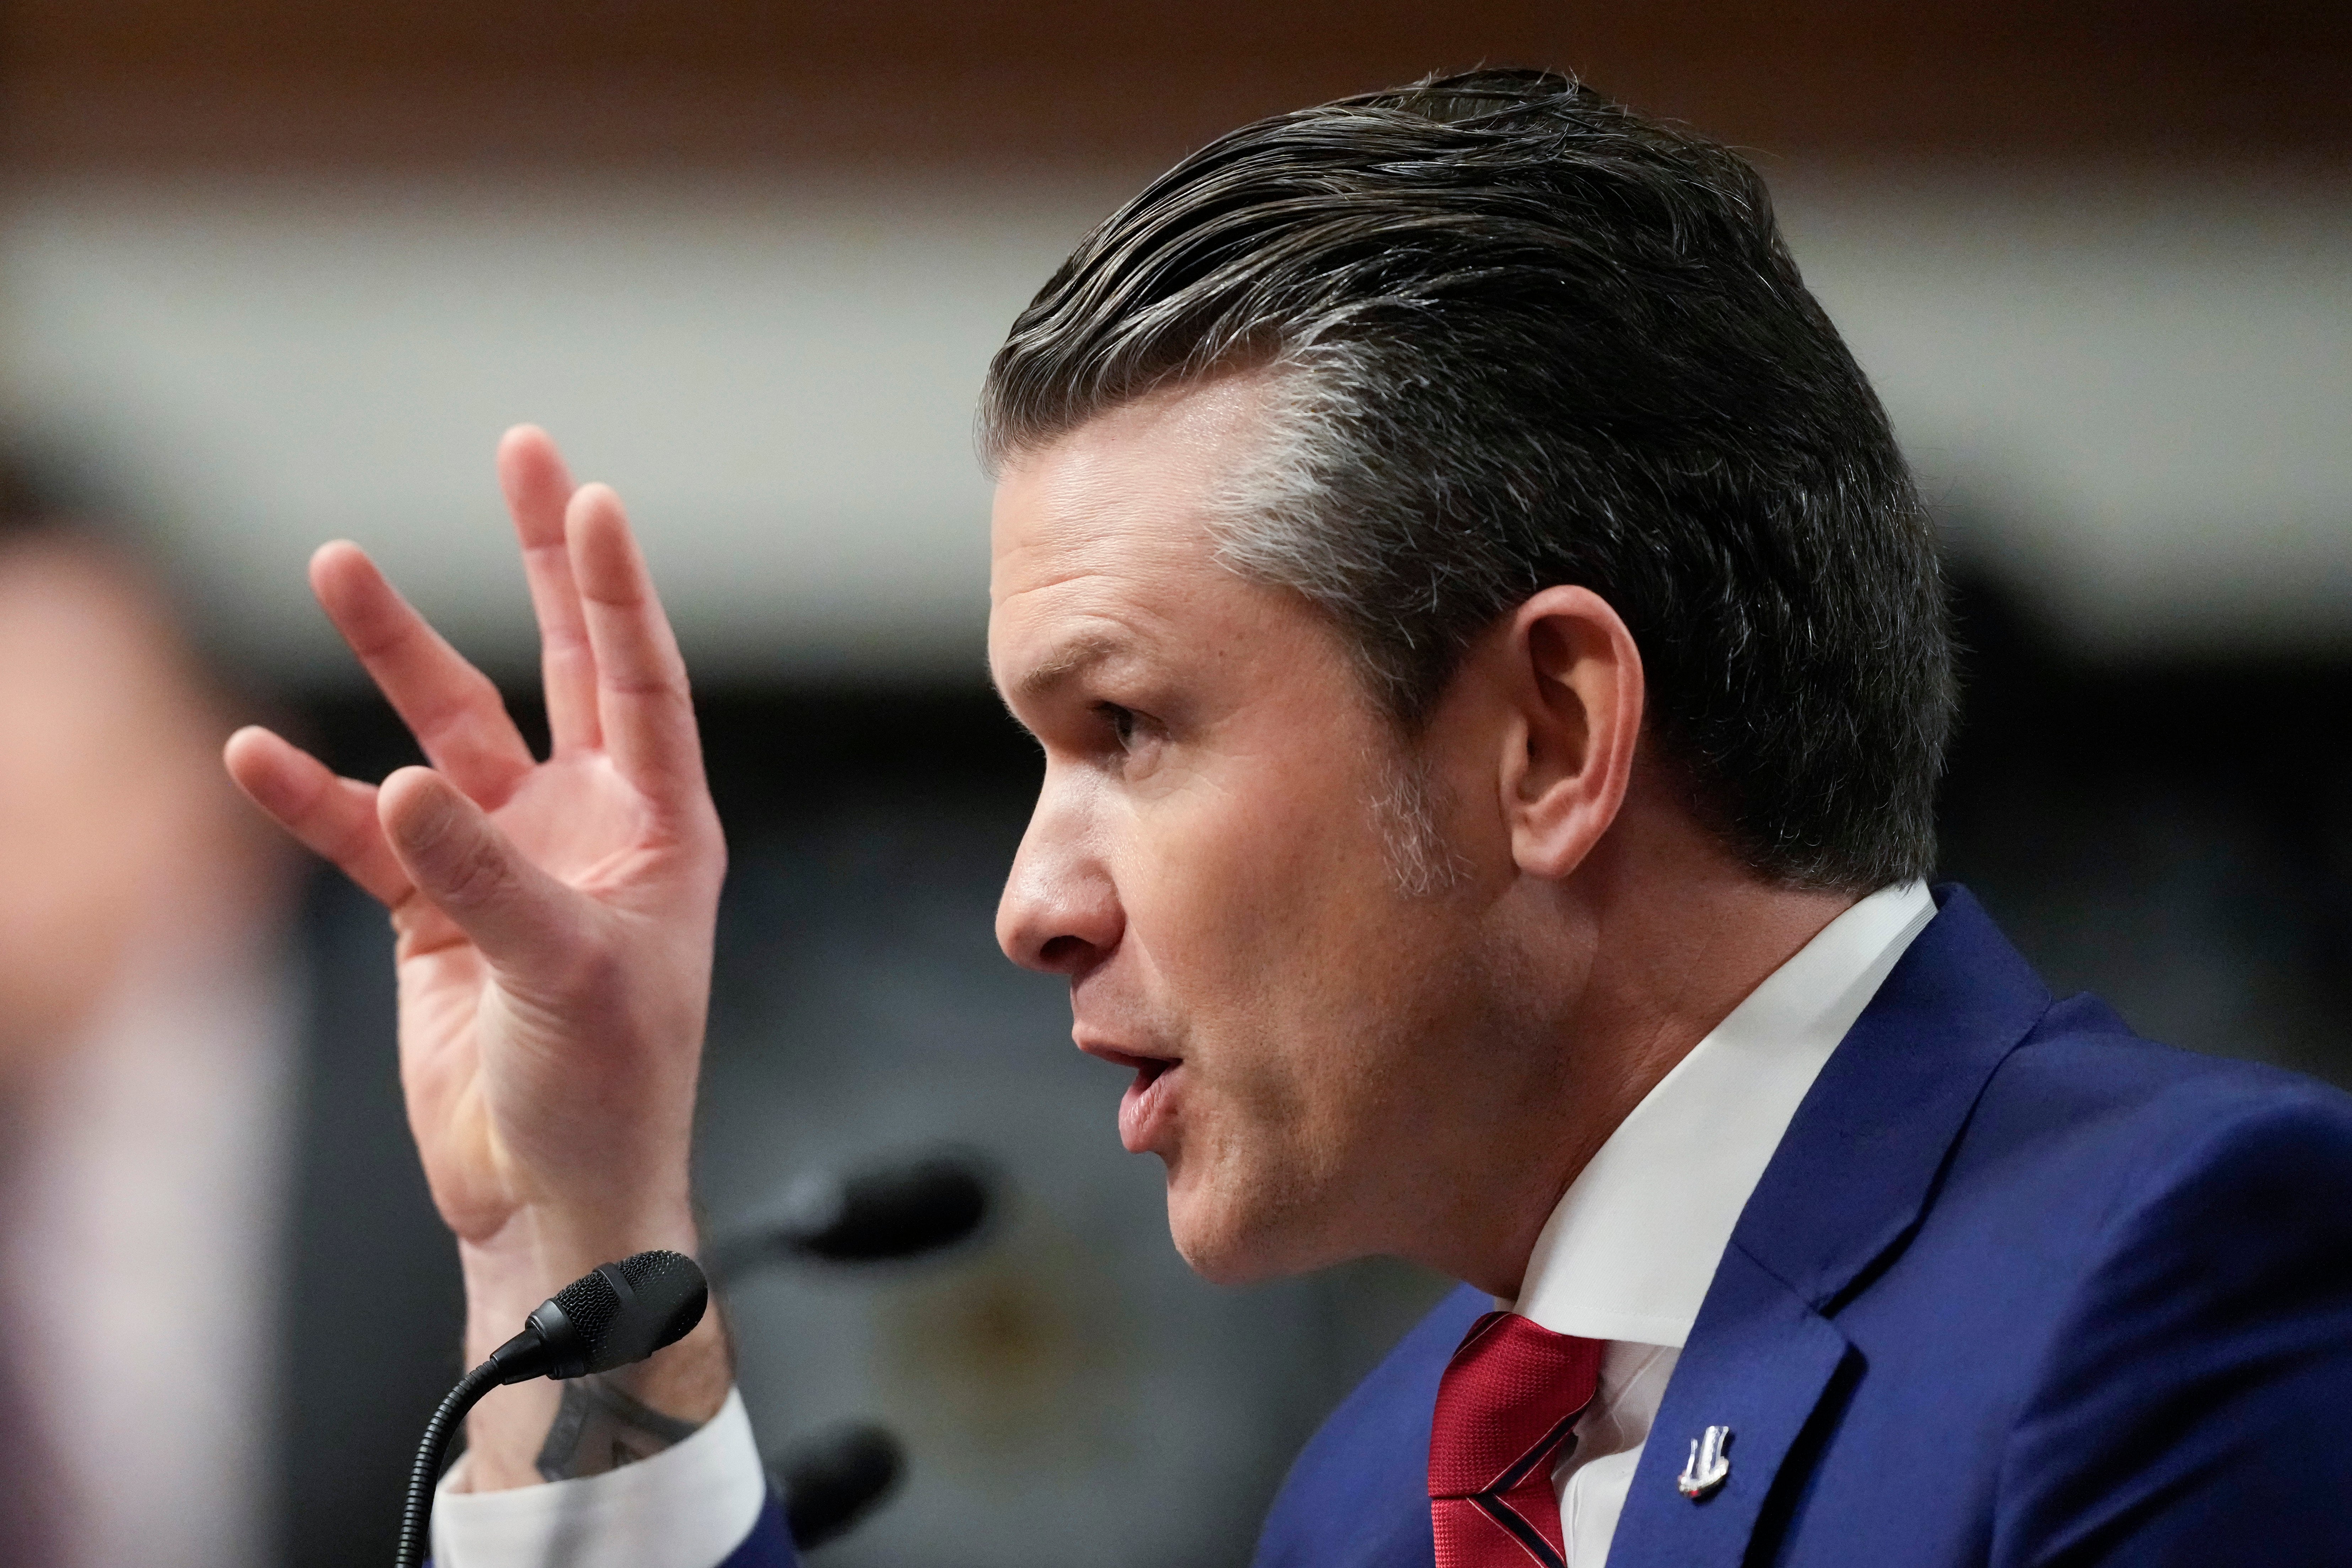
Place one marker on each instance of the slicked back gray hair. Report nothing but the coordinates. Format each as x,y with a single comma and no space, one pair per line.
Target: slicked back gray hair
1519,337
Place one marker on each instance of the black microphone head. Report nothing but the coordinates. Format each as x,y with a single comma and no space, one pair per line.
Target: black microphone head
885,1210
835,1480
621,1313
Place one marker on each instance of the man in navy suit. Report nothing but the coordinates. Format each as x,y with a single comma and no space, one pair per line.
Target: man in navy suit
1491,667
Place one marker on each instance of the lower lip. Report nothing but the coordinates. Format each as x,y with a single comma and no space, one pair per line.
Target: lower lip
1147,1109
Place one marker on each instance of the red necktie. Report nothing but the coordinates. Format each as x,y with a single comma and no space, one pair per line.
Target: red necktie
1504,1409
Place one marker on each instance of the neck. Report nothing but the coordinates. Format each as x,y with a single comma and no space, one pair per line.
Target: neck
1660,935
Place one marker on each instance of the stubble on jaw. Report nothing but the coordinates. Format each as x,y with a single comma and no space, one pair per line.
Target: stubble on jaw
1408,808
1370,1146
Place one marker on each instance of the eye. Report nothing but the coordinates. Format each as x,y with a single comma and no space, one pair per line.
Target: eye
1121,722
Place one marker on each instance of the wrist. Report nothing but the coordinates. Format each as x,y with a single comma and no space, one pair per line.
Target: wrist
536,1252
530,1258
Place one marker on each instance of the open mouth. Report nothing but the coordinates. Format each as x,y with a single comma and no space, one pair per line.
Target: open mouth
1148,1104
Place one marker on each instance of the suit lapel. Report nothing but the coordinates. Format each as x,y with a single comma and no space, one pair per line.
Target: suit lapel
1847,1185
1759,1365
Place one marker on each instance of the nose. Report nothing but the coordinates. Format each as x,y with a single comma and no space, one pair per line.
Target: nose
1060,912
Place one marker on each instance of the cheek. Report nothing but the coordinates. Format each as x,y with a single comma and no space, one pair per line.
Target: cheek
1293,968
1247,899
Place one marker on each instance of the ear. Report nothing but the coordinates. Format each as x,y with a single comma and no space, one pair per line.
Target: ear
1576,680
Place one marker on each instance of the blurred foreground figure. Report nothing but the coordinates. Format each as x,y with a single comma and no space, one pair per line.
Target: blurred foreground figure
146,1040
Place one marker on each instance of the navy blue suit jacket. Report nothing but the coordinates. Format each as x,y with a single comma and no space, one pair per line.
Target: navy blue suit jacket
2017,1288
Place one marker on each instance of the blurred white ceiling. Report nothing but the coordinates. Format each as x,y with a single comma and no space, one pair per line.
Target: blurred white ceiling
2132,396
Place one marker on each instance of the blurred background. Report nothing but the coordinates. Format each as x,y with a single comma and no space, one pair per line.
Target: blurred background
273,272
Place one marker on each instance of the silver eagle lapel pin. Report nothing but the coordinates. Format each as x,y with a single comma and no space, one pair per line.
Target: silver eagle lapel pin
1708,1465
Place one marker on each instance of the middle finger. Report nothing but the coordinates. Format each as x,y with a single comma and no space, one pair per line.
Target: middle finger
538,487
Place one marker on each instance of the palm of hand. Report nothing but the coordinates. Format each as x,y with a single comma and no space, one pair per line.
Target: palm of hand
486,1052
553,918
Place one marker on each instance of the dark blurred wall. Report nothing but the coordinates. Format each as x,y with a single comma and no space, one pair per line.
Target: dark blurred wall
2175,834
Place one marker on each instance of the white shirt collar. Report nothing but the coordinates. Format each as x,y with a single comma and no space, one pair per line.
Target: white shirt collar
1629,1253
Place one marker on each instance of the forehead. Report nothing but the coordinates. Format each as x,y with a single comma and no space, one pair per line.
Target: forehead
1106,535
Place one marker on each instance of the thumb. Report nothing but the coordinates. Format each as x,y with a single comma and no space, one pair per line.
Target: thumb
516,913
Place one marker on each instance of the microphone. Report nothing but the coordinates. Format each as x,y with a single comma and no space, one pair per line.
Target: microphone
871,1214
836,1479
618,1313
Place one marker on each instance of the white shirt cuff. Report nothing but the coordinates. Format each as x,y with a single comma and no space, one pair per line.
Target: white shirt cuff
689,1506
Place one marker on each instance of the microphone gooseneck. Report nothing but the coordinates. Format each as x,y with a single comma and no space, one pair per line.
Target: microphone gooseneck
616,1314
415,1515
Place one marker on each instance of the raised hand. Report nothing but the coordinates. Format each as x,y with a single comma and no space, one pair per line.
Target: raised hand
553,923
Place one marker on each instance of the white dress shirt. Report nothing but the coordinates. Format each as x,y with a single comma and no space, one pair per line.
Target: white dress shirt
685,1507
1629,1253
1626,1257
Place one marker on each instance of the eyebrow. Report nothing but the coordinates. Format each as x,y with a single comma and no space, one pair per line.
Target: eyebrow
1073,657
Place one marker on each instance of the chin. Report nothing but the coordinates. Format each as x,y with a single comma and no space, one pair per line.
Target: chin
1241,1239
1221,1264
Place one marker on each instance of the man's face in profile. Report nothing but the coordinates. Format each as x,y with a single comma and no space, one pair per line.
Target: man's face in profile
1212,863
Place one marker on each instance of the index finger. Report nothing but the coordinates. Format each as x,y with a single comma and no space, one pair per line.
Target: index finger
641,697
450,707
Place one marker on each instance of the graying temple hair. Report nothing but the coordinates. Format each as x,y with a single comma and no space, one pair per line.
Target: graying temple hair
1274,524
